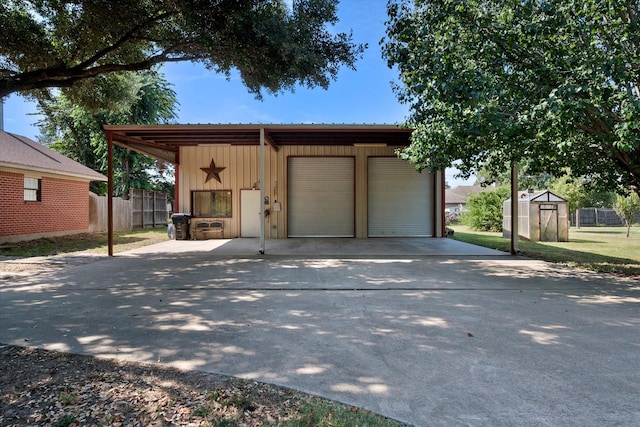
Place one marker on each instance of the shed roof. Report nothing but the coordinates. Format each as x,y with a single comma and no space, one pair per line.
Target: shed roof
164,141
540,196
20,152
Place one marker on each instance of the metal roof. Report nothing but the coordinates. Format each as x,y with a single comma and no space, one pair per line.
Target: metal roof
164,141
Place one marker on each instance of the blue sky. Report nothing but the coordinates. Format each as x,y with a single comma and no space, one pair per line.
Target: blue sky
363,96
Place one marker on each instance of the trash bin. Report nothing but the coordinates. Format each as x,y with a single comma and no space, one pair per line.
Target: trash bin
181,223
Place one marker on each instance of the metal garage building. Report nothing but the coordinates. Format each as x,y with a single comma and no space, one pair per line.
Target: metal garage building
295,180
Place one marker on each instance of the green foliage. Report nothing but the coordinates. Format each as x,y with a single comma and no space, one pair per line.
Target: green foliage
627,207
64,421
485,209
579,194
56,43
68,398
553,83
318,413
75,130
526,178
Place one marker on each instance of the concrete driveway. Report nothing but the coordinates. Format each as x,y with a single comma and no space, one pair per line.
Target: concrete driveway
429,331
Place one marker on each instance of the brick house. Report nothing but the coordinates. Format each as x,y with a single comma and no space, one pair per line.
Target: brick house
42,192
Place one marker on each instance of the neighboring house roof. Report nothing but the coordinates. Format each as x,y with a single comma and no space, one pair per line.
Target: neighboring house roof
20,152
454,198
459,195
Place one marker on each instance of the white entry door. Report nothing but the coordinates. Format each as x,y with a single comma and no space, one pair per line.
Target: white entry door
250,213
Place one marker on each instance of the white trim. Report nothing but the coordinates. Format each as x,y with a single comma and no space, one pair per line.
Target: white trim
24,169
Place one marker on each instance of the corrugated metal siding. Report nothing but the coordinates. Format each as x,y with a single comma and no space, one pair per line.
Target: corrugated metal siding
242,171
400,199
321,199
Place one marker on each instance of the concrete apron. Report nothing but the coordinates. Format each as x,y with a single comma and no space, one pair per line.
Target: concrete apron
428,331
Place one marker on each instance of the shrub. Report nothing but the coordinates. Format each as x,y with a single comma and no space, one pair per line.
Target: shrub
484,209
452,217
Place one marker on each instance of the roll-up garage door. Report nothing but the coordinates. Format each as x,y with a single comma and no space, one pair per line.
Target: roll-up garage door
400,200
321,197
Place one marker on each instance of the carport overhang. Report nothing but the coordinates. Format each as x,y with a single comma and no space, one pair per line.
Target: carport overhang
163,142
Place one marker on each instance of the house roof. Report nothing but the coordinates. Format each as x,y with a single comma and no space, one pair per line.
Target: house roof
451,197
164,141
459,195
20,152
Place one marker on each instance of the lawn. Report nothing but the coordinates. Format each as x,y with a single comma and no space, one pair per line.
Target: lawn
92,242
602,249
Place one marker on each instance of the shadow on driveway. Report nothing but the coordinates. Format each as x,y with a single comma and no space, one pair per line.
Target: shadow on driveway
429,331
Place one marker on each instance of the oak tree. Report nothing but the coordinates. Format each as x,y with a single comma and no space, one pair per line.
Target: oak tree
77,131
554,83
274,47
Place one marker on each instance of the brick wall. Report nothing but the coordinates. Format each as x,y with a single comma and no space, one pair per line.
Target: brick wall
64,206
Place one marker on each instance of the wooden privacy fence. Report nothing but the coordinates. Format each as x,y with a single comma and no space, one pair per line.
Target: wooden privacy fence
144,209
149,208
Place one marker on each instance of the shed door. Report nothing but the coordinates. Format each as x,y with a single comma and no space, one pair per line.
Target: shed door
548,223
400,200
320,198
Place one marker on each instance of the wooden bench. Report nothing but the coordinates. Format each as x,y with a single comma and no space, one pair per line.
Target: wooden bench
205,229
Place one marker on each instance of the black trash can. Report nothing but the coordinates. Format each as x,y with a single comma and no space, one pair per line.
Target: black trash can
181,223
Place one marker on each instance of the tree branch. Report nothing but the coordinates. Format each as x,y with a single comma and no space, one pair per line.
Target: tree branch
122,41
64,77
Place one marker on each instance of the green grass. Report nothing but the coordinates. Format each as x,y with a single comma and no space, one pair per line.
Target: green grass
319,412
310,411
92,242
595,248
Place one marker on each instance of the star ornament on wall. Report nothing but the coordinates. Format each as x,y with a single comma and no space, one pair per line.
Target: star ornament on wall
212,172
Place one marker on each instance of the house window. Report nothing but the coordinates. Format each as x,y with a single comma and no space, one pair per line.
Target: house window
32,188
216,204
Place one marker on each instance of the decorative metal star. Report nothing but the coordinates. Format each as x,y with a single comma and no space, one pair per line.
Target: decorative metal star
213,172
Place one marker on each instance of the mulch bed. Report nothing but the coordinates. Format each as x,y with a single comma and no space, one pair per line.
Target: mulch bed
39,387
